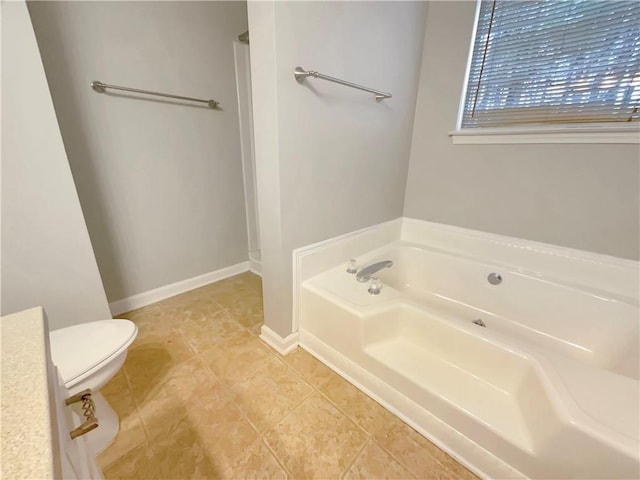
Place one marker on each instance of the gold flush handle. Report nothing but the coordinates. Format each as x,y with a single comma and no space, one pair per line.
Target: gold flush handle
88,412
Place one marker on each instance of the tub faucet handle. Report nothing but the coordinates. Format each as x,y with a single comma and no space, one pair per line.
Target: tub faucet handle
375,285
352,266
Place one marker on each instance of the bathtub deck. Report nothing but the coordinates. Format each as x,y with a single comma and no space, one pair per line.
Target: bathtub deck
494,407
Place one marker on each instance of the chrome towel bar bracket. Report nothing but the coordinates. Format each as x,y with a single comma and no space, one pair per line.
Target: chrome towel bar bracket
301,74
100,87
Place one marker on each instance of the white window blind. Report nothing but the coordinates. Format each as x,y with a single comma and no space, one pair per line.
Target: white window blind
554,62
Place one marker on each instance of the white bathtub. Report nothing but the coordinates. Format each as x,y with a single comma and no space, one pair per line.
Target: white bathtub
547,389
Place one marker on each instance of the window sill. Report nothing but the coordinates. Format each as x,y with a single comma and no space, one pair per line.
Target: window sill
568,134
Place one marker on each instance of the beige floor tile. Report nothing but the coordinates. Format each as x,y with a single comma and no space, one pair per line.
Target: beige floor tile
411,449
247,311
168,303
160,411
118,394
150,326
256,329
130,436
437,472
251,280
308,367
189,306
455,469
266,395
205,332
167,339
139,463
234,357
458,471
206,292
316,440
257,462
148,312
212,424
225,432
226,284
182,454
192,380
214,414
163,336
246,280
373,463
366,412
185,386
147,365
229,294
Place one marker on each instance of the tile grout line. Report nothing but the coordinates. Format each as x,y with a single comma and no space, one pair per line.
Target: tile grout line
160,384
313,391
228,390
406,467
195,355
296,405
262,434
142,423
370,436
353,461
285,469
349,417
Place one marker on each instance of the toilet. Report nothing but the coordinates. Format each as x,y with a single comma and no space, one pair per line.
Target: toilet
88,355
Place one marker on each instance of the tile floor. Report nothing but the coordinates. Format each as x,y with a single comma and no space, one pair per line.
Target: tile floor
201,396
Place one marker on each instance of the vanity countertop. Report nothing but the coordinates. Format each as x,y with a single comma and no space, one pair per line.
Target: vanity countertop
29,448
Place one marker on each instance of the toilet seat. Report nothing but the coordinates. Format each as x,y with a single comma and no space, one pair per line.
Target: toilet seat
80,350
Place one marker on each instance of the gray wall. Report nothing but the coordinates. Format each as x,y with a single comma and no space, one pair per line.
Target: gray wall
581,196
46,253
160,183
336,160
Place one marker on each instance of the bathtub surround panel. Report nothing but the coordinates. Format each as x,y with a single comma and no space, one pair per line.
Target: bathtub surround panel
329,252
340,157
541,415
583,196
160,181
617,276
47,259
313,259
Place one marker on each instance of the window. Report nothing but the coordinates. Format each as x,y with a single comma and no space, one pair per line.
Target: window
554,62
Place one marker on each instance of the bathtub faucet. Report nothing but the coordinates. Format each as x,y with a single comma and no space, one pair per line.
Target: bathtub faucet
364,274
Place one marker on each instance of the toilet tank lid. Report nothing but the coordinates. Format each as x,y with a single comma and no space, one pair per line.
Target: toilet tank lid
77,349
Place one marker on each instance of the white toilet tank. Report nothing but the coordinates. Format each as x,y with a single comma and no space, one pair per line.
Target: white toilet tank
91,352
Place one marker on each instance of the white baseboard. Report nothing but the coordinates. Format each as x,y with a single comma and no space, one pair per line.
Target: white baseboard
279,344
255,266
146,298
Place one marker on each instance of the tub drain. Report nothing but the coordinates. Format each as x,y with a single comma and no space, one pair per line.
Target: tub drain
479,322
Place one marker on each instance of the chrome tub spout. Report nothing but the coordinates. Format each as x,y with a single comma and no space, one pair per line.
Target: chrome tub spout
365,274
